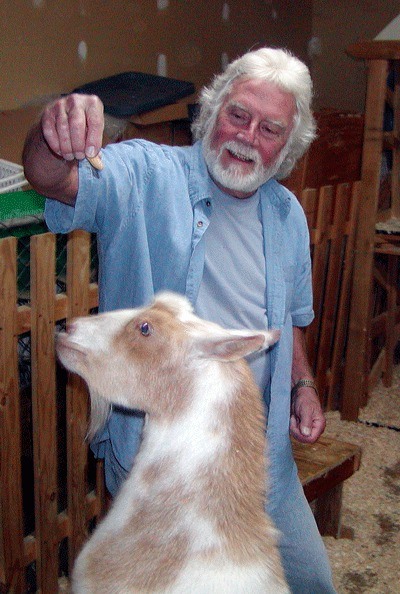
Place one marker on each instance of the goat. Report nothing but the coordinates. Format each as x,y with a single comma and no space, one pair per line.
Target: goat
190,517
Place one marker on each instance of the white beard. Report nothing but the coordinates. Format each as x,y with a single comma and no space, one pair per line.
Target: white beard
232,177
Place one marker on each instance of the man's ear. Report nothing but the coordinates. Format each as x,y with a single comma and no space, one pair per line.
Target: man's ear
237,344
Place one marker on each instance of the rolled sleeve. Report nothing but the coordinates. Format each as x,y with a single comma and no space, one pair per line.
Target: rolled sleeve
62,218
302,303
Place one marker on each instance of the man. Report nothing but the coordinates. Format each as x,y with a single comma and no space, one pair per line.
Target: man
209,221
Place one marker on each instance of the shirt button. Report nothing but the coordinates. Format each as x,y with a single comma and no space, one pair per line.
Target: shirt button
200,223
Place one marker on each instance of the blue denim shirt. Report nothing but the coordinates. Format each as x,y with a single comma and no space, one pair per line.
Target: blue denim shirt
150,207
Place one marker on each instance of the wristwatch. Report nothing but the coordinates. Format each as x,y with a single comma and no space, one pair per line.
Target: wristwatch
303,383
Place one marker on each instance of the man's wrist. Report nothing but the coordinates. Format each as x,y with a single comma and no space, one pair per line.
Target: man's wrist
303,383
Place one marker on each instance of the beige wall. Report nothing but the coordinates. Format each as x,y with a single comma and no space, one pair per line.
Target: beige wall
40,39
340,81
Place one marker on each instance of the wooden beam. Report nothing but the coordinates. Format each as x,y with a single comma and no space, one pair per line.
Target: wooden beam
375,50
356,372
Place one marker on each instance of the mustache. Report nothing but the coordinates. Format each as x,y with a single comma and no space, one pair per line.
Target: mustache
242,151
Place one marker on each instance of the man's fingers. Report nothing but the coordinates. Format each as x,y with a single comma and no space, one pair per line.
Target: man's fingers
49,129
73,126
95,126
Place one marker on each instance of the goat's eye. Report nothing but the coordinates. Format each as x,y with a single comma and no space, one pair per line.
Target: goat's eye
145,329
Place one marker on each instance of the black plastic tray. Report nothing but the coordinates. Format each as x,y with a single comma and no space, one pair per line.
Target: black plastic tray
130,93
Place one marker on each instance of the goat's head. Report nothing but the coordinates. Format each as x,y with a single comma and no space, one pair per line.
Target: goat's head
147,358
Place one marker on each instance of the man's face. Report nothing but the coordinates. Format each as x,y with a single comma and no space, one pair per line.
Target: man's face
247,144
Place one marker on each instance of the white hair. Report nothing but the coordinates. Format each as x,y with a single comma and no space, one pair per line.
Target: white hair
277,66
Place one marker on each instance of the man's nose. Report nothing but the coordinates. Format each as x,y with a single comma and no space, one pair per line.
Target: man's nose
249,135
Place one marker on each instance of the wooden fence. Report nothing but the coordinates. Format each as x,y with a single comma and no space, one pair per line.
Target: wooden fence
51,490
331,213
34,525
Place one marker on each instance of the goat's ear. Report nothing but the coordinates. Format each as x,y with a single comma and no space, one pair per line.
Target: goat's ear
237,344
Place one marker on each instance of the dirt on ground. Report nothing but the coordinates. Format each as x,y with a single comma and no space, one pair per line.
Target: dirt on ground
367,557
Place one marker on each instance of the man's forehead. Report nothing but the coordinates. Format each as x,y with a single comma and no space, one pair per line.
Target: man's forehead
262,95
259,85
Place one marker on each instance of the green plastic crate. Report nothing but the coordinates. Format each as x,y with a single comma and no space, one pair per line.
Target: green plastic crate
21,216
21,204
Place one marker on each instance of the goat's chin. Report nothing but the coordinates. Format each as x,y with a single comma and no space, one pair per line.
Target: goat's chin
100,410
69,353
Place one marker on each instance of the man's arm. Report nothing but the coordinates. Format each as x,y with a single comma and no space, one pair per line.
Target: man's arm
307,422
70,129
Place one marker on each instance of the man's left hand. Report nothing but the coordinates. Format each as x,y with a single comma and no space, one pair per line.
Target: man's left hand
307,421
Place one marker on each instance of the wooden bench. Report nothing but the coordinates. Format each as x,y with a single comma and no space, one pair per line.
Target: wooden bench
323,467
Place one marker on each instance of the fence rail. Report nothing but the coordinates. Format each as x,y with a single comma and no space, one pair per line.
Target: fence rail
51,490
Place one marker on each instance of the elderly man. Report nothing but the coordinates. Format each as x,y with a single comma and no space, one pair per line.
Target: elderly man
209,221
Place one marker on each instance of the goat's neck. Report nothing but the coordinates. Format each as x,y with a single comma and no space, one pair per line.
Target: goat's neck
214,448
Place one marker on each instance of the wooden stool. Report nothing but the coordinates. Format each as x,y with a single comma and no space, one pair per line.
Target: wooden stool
323,466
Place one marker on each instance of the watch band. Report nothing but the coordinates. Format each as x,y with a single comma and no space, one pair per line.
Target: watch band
303,383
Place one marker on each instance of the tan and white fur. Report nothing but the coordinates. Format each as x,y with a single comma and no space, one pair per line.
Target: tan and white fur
190,518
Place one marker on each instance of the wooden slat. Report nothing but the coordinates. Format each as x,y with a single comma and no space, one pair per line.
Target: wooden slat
309,202
44,409
78,272
11,522
332,285
320,254
336,369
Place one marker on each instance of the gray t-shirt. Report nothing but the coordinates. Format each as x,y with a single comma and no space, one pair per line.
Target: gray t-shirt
233,288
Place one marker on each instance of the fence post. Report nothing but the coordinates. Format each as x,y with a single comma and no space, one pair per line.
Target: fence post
44,409
78,273
12,570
